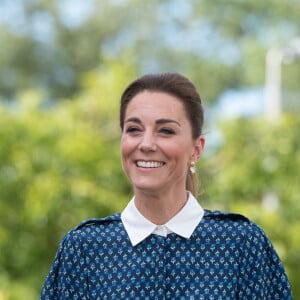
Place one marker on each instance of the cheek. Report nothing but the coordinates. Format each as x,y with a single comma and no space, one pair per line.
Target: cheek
126,146
182,154
178,149
124,154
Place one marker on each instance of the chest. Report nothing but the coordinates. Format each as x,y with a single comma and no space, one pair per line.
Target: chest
164,268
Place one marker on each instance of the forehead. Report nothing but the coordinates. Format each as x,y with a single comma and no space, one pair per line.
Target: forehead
156,104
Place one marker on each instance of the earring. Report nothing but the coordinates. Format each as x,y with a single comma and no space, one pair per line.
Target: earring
192,168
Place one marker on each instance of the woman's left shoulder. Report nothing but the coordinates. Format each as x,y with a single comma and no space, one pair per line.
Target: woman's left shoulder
233,222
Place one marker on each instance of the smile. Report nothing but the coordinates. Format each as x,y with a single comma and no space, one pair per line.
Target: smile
149,164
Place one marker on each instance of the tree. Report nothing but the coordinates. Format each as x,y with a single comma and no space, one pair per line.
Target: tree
219,45
59,165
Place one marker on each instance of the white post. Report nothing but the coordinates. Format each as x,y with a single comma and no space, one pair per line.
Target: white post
273,84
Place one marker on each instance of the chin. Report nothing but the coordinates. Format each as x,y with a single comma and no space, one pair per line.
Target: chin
147,188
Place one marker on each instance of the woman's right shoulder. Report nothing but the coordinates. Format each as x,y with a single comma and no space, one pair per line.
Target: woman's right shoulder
98,222
94,228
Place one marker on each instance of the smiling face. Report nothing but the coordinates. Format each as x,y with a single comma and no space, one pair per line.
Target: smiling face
157,145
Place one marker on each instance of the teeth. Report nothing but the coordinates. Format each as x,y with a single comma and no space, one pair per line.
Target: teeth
149,164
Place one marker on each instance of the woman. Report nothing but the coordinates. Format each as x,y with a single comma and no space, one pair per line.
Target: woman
164,245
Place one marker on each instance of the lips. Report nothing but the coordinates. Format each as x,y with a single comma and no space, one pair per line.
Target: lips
149,164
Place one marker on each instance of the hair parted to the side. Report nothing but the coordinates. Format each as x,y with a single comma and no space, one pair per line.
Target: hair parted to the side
184,90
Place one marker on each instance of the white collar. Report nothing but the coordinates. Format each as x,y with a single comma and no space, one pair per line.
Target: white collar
183,223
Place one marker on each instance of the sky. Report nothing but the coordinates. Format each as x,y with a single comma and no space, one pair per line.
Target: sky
246,102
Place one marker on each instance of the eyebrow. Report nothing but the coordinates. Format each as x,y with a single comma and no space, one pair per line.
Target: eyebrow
159,121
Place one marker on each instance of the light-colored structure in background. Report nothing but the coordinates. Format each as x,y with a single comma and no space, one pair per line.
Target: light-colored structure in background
274,59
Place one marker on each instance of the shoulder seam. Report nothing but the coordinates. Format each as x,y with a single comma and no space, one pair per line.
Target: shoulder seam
225,215
98,221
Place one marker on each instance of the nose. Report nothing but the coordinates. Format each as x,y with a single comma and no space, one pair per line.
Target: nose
147,143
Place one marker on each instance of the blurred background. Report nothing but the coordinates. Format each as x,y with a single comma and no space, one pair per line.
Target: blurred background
63,66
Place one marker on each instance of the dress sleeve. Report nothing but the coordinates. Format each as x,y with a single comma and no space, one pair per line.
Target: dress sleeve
262,275
67,278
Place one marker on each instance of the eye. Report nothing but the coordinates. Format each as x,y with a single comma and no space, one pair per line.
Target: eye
132,129
167,131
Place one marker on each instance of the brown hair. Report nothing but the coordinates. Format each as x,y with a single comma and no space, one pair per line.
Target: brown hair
178,86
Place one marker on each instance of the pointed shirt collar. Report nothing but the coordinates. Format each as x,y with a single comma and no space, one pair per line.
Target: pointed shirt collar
183,223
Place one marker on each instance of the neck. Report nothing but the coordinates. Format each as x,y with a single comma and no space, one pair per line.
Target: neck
160,208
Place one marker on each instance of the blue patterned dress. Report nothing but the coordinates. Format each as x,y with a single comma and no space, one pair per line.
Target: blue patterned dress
227,257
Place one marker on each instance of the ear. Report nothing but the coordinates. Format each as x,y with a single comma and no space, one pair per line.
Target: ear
199,143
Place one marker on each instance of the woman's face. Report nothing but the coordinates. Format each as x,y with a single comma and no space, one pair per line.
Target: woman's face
157,145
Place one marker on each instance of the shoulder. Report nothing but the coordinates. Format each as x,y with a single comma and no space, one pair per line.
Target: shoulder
234,224
111,220
222,218
236,229
247,245
222,215
97,228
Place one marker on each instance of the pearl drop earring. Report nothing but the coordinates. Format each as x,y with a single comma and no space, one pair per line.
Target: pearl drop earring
192,168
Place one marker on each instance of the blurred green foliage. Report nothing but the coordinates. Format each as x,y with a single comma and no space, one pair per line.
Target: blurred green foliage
219,44
58,166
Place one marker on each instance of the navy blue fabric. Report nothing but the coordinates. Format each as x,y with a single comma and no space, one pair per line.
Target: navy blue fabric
227,257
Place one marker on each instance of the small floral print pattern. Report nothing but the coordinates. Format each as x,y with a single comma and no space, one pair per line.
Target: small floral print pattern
227,257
